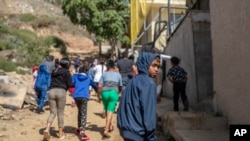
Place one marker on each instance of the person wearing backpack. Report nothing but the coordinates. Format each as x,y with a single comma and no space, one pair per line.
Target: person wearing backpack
41,86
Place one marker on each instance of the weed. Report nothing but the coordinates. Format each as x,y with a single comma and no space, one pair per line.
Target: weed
27,17
7,66
43,21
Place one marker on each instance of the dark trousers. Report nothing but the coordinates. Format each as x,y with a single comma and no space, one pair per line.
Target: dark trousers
41,96
82,112
76,68
180,89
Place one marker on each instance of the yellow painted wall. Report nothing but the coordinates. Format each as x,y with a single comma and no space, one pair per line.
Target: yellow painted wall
138,12
146,10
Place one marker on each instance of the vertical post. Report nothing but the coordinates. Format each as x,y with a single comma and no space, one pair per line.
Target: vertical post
169,20
145,31
174,19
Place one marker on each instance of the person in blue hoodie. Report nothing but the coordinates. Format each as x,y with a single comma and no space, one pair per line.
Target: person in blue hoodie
41,86
136,117
81,96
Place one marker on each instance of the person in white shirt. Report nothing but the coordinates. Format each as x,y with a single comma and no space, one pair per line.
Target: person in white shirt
99,69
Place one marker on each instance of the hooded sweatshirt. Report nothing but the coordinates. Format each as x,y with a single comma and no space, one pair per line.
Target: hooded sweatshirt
43,78
82,83
137,111
61,78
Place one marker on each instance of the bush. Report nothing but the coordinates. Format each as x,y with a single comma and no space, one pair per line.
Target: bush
27,17
7,66
3,29
56,42
20,71
33,52
5,44
43,21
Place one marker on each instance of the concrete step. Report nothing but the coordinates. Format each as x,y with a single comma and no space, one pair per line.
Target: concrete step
203,135
195,126
194,121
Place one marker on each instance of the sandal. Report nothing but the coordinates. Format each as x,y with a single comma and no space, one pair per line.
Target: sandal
105,136
63,136
84,137
46,135
112,129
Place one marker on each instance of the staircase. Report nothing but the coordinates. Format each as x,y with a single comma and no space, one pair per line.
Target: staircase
190,126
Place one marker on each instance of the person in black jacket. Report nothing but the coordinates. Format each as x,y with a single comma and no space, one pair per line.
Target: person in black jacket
61,81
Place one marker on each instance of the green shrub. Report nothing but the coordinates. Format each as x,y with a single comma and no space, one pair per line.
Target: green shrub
27,17
24,35
43,21
5,44
3,29
20,71
33,52
56,42
7,66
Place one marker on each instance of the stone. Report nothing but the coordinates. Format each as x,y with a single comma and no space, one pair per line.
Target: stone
4,79
12,96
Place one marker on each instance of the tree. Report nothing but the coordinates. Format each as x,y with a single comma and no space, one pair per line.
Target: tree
106,19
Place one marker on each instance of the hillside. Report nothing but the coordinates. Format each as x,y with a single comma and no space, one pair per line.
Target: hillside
76,39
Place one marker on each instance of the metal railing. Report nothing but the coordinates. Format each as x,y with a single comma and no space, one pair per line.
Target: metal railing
158,28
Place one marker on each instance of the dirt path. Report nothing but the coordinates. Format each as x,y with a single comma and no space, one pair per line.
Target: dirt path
29,126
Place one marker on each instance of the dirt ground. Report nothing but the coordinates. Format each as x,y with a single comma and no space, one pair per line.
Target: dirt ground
29,126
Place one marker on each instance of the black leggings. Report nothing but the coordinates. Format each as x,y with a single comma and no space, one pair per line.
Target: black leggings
82,112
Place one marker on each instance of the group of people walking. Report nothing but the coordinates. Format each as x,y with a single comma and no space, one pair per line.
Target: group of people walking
136,114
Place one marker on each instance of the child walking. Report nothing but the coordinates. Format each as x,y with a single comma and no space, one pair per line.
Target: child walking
109,87
178,76
81,96
42,83
137,111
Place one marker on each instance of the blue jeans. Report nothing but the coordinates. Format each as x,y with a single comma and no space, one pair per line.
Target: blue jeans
42,94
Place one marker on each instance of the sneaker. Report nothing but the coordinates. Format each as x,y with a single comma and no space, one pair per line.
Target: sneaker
84,137
77,131
41,111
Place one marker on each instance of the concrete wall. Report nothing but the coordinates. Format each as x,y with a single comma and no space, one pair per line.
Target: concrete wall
181,45
192,44
230,30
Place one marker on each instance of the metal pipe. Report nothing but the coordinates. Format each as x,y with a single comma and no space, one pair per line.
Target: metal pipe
137,39
169,28
145,31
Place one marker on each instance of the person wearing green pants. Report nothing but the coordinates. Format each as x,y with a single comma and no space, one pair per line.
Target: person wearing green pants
109,87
